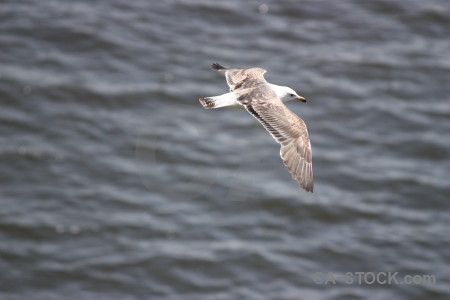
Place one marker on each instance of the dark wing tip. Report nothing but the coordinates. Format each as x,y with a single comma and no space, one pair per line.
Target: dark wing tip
306,183
309,187
309,180
218,67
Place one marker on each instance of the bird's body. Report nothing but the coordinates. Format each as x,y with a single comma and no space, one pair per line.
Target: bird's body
264,101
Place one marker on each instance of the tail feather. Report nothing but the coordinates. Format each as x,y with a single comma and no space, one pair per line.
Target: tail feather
228,99
207,102
218,67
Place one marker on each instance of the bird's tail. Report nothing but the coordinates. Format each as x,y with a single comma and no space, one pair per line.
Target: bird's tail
207,102
228,99
218,67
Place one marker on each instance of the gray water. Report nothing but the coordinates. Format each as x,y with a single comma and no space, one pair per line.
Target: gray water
117,184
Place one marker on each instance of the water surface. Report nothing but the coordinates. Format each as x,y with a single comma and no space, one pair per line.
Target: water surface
117,184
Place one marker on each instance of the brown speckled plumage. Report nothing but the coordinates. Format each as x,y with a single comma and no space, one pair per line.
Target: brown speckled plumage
259,99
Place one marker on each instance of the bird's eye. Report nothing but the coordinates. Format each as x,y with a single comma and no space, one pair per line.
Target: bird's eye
292,95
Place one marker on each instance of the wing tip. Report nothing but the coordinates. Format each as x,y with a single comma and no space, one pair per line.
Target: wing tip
307,182
218,67
307,186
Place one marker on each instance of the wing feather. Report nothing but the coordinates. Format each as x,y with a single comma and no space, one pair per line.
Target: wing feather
242,78
290,132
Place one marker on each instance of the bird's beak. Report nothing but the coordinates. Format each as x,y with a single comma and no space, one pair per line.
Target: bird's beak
301,99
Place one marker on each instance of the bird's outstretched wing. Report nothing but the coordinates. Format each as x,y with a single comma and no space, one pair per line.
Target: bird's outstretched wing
287,129
242,78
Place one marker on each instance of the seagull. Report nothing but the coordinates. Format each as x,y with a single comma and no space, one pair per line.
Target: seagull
264,101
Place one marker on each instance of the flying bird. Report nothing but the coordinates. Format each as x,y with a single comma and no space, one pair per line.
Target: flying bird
264,101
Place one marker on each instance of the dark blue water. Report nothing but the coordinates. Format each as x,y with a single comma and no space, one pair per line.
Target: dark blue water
117,184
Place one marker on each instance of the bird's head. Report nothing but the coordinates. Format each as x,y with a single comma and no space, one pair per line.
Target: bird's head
287,94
